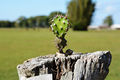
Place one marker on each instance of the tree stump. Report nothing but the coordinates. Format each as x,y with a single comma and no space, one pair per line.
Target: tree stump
78,66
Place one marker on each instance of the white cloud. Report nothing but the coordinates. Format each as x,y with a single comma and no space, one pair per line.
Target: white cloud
105,8
109,9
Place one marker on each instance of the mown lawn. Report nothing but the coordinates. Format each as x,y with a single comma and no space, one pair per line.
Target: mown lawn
17,45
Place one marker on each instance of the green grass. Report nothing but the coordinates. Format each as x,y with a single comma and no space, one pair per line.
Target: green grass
17,45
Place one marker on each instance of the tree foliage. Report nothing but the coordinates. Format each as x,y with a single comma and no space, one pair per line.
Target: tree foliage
32,22
42,21
108,21
80,13
6,24
21,22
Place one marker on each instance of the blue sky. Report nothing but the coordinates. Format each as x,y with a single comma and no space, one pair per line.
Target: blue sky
12,9
105,8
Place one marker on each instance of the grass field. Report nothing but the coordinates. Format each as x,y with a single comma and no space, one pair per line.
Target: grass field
17,45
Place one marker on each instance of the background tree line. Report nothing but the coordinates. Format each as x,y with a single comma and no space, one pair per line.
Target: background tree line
6,24
32,22
79,12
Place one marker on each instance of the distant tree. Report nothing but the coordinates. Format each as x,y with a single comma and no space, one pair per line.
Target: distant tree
108,21
80,13
42,21
21,22
6,24
16,24
12,24
32,22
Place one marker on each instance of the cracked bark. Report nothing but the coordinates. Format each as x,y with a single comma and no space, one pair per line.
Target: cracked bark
90,66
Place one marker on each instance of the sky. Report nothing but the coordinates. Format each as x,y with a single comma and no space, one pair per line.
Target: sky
13,9
105,8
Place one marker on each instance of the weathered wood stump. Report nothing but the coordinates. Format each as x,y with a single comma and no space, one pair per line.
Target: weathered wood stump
78,66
